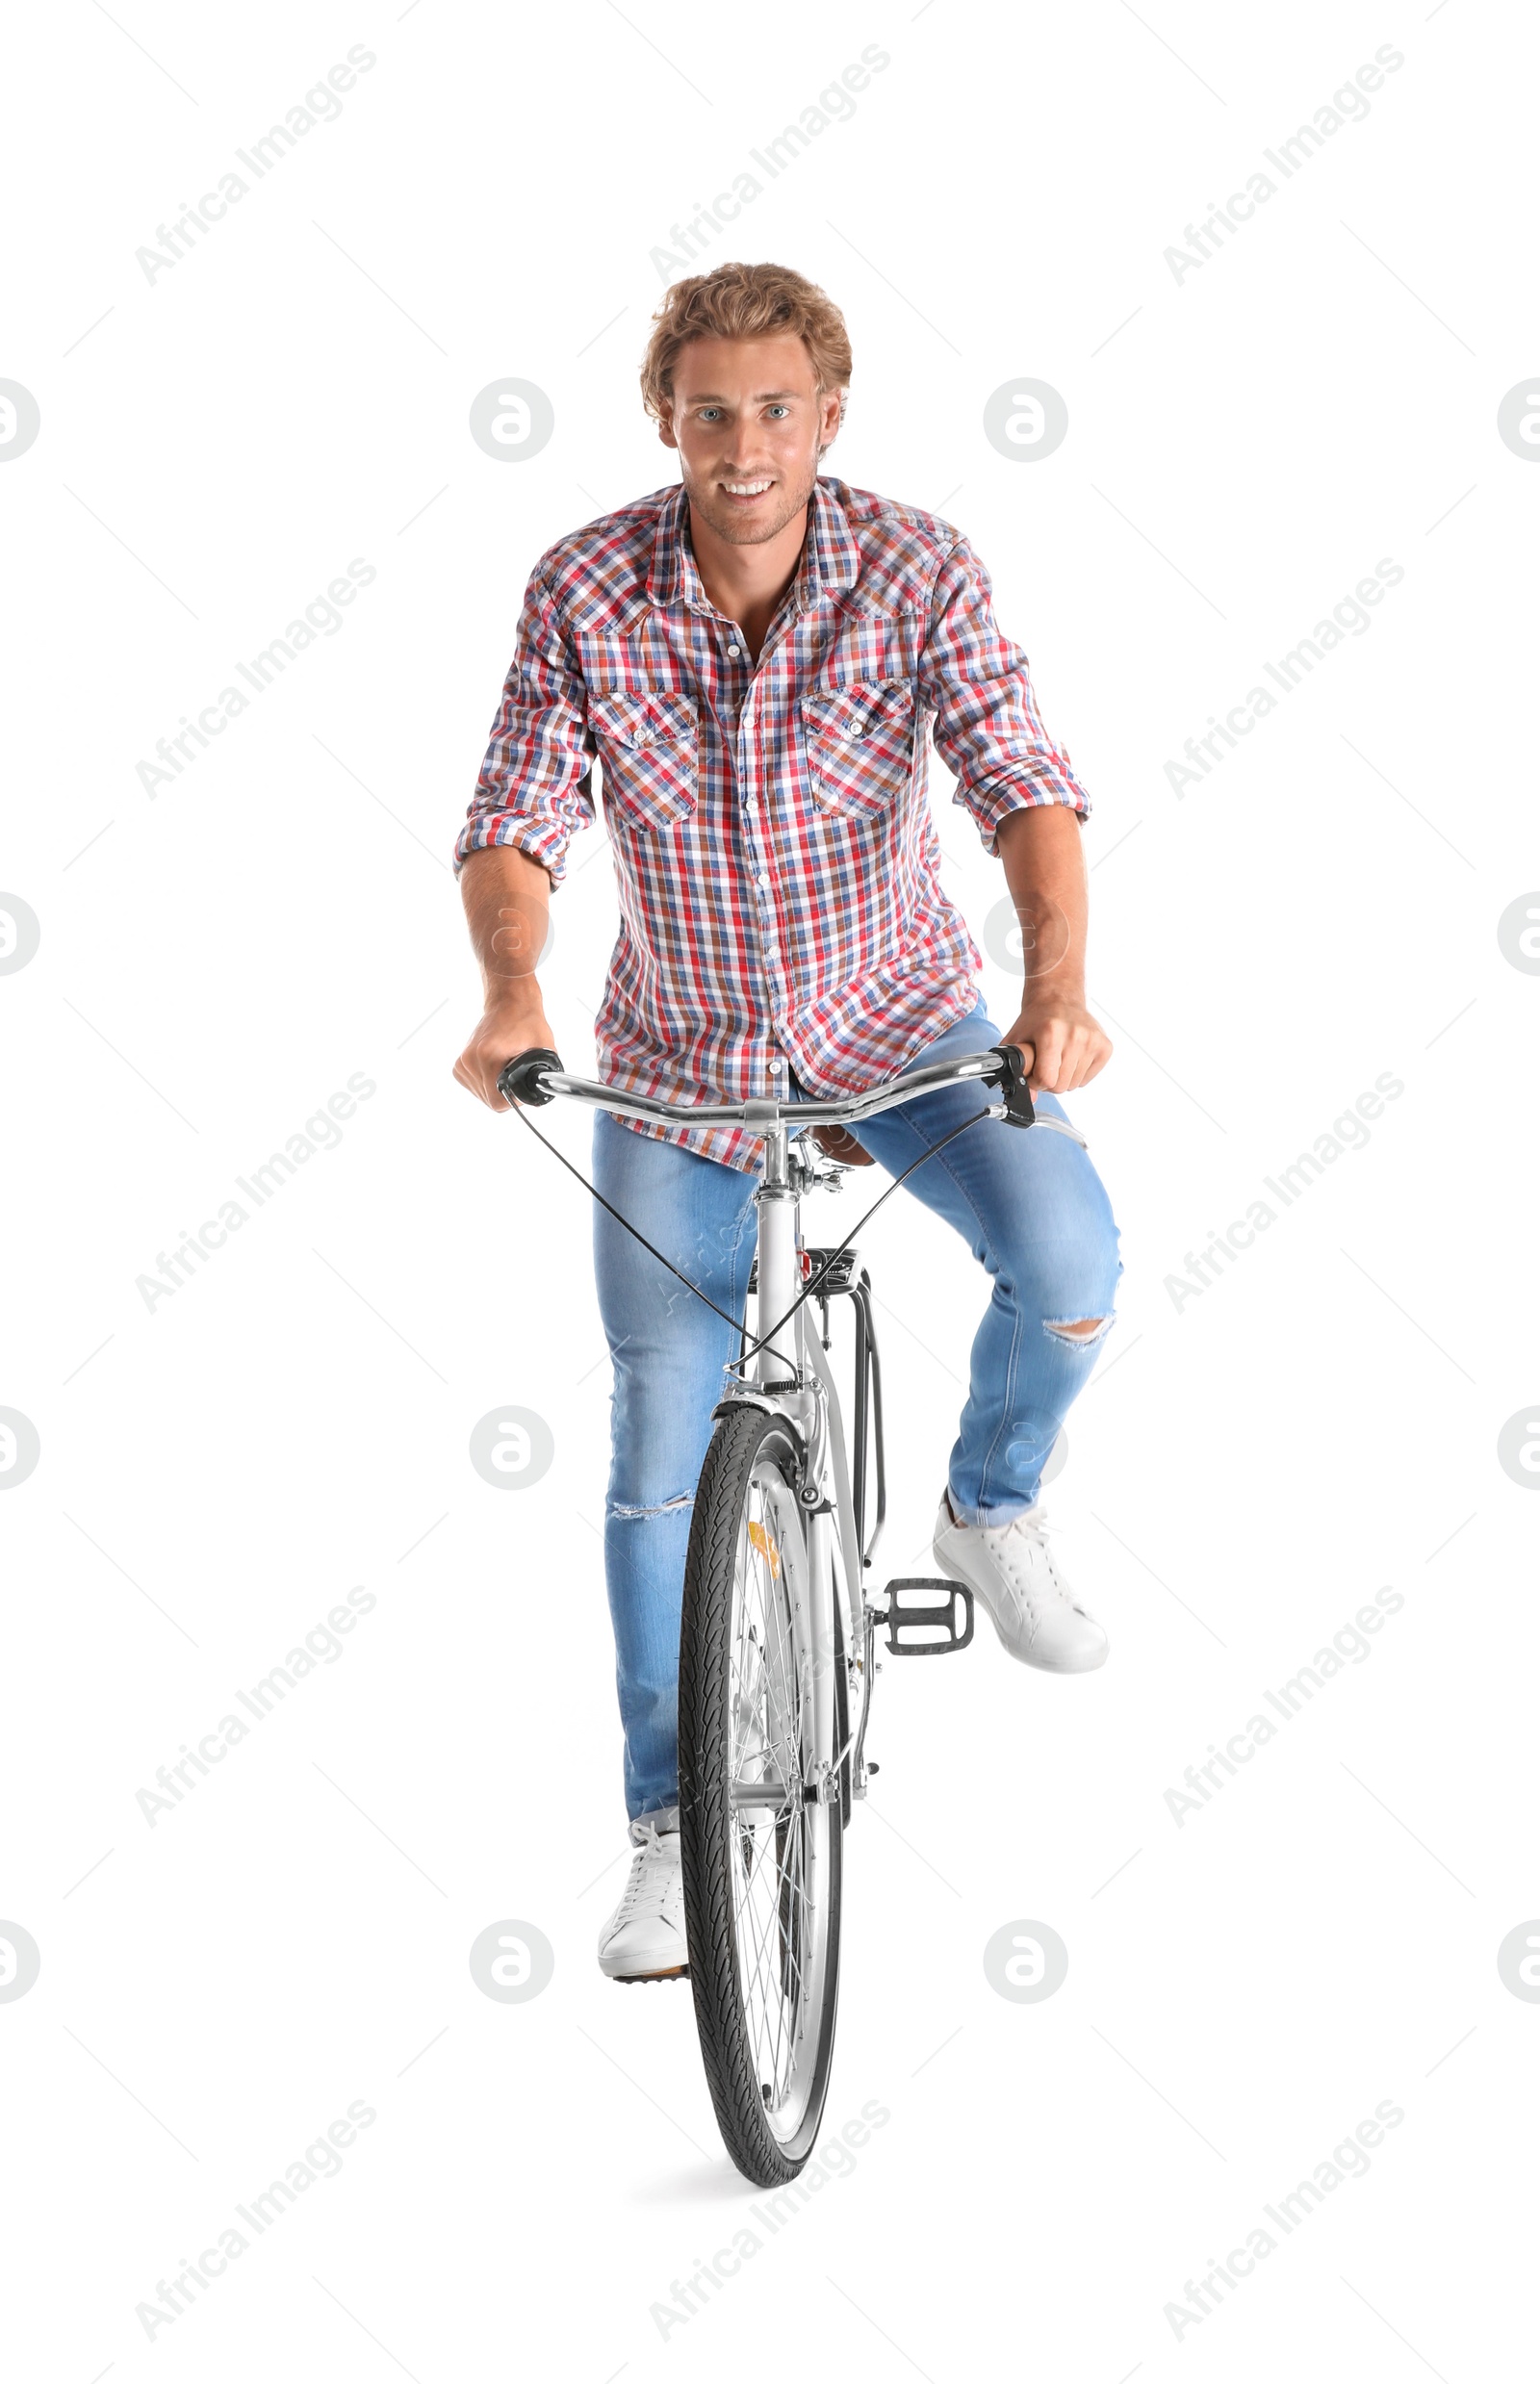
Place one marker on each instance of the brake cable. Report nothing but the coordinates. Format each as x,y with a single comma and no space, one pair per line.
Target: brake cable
815,1280
736,1323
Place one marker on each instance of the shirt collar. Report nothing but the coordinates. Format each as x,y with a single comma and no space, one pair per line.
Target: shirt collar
831,558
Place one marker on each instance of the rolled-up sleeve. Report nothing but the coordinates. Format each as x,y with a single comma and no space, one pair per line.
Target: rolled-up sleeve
987,729
534,788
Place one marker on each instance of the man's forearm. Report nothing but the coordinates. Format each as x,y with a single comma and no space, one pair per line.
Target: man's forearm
508,899
1045,872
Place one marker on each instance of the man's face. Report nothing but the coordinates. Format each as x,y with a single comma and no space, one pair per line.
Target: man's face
748,422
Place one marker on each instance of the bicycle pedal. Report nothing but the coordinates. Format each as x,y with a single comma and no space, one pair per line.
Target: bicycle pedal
922,1617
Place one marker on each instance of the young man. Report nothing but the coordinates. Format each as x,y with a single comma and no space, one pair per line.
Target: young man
754,655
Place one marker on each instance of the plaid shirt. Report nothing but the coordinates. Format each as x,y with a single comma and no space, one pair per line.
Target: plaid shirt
776,858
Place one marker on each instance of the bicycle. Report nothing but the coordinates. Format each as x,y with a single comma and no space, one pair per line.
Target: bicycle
778,1634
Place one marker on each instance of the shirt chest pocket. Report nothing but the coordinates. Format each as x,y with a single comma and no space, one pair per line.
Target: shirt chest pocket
648,746
861,745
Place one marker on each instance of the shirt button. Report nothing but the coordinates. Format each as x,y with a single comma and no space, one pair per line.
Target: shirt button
762,879
734,651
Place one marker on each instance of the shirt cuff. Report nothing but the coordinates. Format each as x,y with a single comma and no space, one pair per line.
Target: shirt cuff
1031,786
544,840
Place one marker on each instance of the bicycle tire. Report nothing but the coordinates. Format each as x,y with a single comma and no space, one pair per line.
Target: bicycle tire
769,2123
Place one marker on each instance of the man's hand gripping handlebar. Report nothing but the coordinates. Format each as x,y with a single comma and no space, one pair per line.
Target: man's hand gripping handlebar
519,1080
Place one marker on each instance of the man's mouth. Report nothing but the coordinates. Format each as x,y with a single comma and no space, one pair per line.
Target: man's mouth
745,492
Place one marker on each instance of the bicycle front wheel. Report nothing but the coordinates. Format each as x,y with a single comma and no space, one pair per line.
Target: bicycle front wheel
760,1843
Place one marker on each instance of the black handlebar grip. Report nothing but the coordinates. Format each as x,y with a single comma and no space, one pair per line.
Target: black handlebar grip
1018,1109
519,1080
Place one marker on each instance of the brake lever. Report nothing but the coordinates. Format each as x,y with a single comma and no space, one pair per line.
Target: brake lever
1018,1109
519,1079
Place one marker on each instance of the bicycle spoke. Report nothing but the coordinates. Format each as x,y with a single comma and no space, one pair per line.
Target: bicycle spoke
767,2009
765,2013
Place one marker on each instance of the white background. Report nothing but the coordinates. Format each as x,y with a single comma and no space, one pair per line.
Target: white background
1245,1468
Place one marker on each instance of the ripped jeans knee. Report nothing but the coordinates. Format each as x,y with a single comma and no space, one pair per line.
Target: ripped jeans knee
616,1511
1079,1332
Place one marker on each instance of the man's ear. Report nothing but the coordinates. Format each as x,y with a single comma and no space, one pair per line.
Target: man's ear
665,427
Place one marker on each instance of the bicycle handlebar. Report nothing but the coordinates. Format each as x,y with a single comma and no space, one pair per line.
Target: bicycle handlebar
536,1077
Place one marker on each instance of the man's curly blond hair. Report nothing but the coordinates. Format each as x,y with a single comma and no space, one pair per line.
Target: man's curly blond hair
745,303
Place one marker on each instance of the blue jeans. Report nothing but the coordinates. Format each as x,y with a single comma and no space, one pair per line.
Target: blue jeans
1030,1205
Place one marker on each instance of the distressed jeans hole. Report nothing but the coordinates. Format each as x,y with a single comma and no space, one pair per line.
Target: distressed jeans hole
639,1514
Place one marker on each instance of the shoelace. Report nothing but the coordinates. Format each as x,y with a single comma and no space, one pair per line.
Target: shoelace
634,1885
1035,1530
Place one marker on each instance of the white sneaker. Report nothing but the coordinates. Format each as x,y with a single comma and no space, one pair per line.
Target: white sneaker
1010,1571
644,1937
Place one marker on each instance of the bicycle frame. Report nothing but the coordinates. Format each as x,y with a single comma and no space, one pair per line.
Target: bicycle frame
776,1636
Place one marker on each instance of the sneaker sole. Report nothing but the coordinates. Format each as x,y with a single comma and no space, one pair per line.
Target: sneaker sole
647,1978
